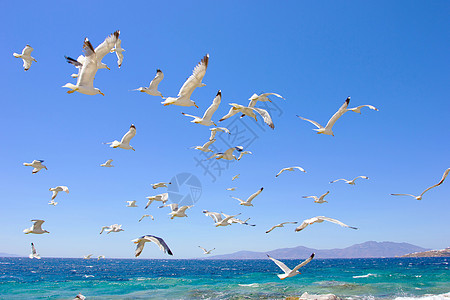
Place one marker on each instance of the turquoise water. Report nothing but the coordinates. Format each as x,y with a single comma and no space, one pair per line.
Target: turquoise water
63,278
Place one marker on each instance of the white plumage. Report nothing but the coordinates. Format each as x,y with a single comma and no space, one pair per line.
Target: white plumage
290,169
107,164
288,272
318,199
58,189
351,182
118,49
152,89
37,166
320,219
279,225
36,228
179,212
206,119
125,142
150,238
249,200
26,57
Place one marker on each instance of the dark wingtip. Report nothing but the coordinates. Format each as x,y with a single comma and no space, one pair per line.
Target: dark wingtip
117,33
158,71
347,100
261,189
169,252
312,255
219,93
132,126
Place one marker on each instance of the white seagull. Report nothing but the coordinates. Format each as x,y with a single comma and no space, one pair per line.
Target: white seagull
160,184
231,189
420,196
218,220
26,57
87,256
320,219
280,225
288,272
205,147
150,238
146,216
318,199
118,49
242,154
238,221
194,81
161,197
235,177
34,253
290,169
100,256
358,109
107,164
112,228
37,165
125,142
214,131
206,119
131,203
52,202
263,98
36,228
178,212
152,89
249,111
206,251
351,182
327,129
248,202
58,189
228,155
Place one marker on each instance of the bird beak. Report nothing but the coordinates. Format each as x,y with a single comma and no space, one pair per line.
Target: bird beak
214,124
195,105
166,104
109,68
133,149
102,94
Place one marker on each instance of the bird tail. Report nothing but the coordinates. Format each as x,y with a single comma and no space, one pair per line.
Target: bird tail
17,55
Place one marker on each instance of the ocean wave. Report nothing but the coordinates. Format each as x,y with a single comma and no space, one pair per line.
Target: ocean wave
88,276
445,296
365,276
249,285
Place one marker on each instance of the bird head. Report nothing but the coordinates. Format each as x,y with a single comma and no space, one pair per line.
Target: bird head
99,92
132,148
45,231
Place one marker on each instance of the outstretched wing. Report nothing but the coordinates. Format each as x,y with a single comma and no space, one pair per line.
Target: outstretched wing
304,263
280,264
311,121
74,62
439,183
196,78
89,68
266,116
27,50
214,106
269,94
254,195
129,135
160,242
338,114
208,143
338,180
230,113
336,222
158,78
105,47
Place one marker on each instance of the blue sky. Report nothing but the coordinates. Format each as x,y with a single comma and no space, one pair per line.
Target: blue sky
393,55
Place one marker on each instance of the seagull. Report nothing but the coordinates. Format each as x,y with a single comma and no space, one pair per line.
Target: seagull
235,177
218,220
118,49
228,155
37,165
125,142
205,147
248,202
58,189
280,225
36,227
206,251
352,182
26,57
239,221
160,184
34,253
161,197
79,297
358,109
85,80
87,256
318,199
145,216
263,98
288,272
420,196
249,111
206,119
100,256
112,228
131,203
327,129
320,219
290,169
107,164
52,202
150,238
214,131
231,189
242,154
152,89
179,212
194,81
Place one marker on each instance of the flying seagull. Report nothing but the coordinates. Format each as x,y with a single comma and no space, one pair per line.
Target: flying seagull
87,256
36,228
100,256
239,221
288,272
206,119
160,184
146,216
228,155
26,57
263,98
249,111
248,202
206,251
351,182
235,177
358,109
125,142
318,199
37,165
118,49
58,189
280,225
290,169
231,189
194,81
107,164
161,197
320,219
242,154
52,202
152,89
327,129
176,211
150,238
420,196
214,131
34,253
218,220
205,147
112,228
131,203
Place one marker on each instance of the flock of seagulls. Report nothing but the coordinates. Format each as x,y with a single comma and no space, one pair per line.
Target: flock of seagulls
88,65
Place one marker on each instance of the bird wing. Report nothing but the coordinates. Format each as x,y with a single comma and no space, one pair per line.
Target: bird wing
37,224
64,188
300,168
338,180
280,264
230,113
302,226
266,116
33,250
158,78
196,78
439,183
229,151
304,263
403,195
129,135
335,221
281,171
268,94
74,62
361,106
208,143
254,195
215,216
324,194
214,106
103,228
203,249
240,200
139,247
105,47
27,50
89,68
272,228
311,121
364,177
160,242
338,114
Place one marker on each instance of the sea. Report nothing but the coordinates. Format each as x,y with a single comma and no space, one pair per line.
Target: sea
380,278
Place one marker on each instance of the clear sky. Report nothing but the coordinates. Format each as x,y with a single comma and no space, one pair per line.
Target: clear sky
391,54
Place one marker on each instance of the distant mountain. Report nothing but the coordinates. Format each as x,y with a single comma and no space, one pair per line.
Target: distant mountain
432,253
364,250
8,255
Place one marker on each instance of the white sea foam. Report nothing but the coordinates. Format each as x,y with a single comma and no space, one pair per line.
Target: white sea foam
87,276
249,285
365,276
445,296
